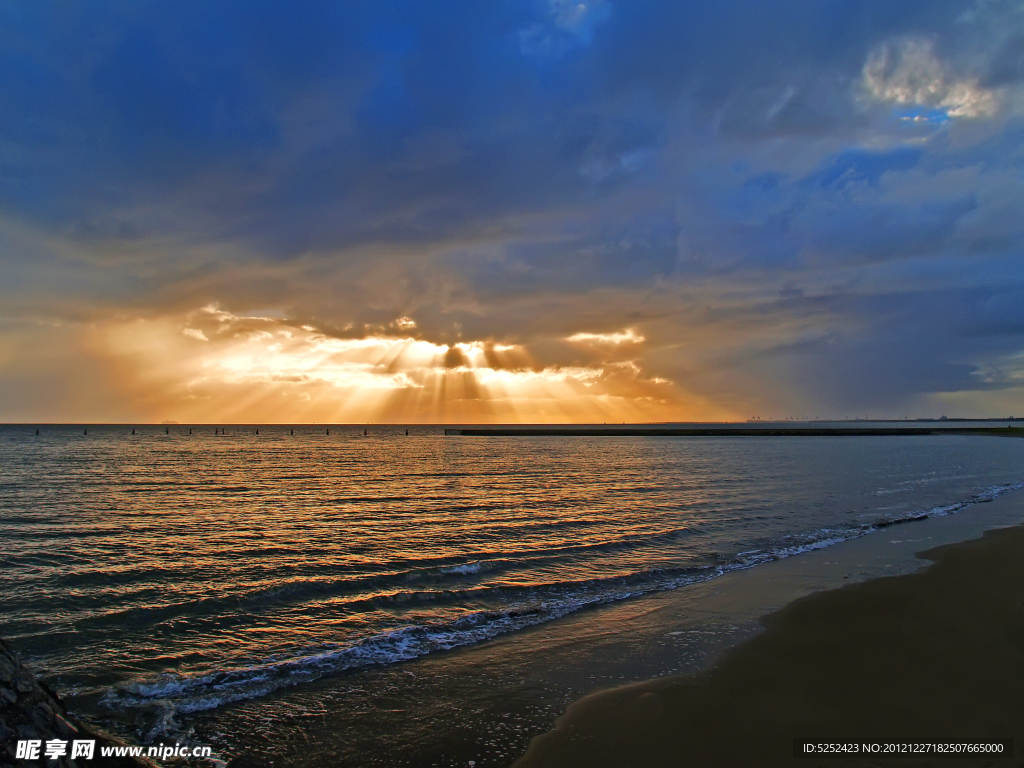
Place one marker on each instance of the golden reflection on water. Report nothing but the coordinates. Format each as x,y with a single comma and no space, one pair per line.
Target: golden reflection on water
240,563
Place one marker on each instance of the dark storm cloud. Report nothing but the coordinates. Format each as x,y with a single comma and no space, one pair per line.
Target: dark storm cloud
492,168
391,121
912,343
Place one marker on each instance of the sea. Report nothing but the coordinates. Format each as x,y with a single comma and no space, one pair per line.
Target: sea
384,595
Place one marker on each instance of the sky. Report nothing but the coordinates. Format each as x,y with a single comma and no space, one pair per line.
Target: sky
510,210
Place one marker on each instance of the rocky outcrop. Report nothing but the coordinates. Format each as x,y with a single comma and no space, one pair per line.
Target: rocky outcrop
29,710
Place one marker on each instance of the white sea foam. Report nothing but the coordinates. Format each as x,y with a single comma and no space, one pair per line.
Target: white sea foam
185,694
463,570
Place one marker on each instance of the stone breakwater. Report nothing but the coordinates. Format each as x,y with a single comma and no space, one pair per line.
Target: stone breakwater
30,710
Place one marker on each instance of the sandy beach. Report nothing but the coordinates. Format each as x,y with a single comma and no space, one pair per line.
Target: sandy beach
684,547
926,656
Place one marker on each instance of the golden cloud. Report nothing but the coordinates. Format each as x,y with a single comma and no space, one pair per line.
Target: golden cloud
266,369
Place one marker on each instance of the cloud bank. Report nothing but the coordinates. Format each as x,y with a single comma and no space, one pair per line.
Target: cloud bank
544,210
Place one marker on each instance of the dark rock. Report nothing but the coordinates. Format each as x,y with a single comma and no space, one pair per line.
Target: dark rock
37,712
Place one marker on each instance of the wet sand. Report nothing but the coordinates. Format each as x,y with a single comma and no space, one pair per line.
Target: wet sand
933,655
484,703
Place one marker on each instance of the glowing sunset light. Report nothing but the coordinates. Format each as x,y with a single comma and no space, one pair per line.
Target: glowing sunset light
376,378
628,336
525,211
212,364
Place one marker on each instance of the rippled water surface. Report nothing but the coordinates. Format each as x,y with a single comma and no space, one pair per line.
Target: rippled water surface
197,570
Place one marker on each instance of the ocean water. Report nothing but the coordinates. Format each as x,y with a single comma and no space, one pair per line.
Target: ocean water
164,577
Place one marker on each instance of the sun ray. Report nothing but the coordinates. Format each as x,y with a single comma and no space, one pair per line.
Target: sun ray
211,364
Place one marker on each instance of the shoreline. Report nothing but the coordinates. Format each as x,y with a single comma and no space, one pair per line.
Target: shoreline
918,656
534,675
485,702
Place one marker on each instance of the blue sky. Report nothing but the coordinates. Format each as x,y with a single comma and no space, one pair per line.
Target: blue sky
652,210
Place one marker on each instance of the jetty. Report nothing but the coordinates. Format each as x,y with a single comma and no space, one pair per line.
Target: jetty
660,431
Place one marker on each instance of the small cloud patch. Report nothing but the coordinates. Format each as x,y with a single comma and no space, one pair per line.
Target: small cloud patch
628,336
194,333
908,72
405,323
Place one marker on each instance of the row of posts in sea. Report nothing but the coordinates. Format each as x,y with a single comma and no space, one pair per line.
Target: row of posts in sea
223,431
